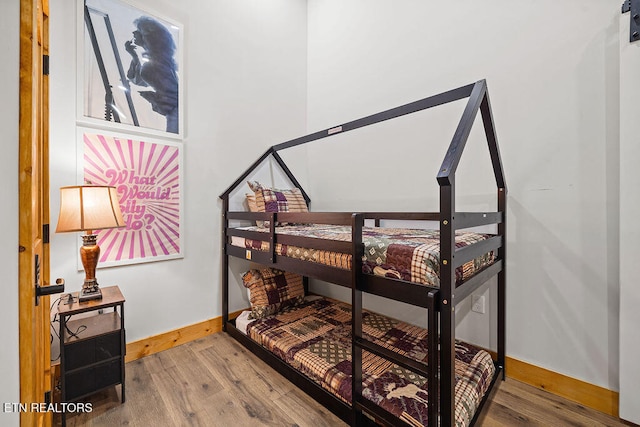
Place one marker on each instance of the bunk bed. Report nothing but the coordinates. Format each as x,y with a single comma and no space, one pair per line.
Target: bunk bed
335,247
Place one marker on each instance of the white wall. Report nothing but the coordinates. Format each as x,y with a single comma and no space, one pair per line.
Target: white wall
552,70
629,206
244,75
9,51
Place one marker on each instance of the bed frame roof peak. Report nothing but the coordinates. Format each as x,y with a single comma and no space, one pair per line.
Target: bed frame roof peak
478,100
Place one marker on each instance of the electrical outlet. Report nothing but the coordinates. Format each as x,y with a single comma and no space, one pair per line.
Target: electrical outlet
477,303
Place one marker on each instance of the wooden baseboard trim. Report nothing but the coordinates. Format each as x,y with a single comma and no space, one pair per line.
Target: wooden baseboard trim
167,340
589,395
586,394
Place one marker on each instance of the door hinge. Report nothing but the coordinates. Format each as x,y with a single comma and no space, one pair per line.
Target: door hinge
45,233
45,65
626,6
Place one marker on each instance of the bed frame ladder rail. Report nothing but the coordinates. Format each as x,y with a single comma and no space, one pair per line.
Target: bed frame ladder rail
428,370
357,222
360,344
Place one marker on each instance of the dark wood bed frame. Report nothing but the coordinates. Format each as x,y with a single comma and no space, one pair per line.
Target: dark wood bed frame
440,300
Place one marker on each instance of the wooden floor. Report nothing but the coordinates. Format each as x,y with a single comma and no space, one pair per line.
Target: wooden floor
215,381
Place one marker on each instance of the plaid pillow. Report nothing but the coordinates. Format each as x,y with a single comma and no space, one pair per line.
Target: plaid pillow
253,207
272,290
273,200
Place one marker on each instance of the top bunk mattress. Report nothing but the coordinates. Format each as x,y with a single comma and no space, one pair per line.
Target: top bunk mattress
401,253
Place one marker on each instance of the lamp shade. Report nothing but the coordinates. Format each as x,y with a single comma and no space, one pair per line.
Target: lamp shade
89,207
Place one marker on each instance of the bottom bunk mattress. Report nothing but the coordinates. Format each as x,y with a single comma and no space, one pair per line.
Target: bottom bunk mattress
315,339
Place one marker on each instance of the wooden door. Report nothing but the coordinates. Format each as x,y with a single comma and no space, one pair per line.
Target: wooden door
33,258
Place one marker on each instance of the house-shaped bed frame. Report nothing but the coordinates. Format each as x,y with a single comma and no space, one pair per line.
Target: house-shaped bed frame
441,300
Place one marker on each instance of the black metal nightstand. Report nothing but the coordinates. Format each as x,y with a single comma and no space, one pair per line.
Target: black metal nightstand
92,348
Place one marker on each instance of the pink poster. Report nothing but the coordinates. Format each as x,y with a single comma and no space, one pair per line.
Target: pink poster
147,177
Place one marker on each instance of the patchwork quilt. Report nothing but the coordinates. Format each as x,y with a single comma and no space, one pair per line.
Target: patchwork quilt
315,339
408,254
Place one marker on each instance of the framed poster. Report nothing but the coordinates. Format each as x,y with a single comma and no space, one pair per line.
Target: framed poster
148,177
130,68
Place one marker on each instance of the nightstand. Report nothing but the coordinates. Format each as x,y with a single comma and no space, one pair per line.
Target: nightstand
92,348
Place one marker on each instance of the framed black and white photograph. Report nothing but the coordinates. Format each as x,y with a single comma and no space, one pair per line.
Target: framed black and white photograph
130,68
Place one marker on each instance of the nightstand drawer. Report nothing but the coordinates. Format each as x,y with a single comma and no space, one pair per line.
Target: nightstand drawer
89,380
91,351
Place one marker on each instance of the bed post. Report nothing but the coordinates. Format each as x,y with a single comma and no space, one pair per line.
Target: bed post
502,284
492,141
225,263
432,346
447,306
357,221
446,180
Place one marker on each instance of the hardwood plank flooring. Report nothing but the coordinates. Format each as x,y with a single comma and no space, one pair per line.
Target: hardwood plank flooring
215,381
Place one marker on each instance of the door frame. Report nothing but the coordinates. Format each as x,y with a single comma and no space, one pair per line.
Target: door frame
33,190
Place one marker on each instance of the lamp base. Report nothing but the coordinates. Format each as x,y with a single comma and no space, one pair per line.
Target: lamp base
87,294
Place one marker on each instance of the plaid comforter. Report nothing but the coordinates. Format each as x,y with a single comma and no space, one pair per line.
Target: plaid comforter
315,339
408,254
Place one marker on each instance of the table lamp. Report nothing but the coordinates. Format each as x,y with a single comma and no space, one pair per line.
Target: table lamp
88,208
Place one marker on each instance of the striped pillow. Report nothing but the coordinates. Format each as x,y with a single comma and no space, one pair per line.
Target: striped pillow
274,200
272,290
253,207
